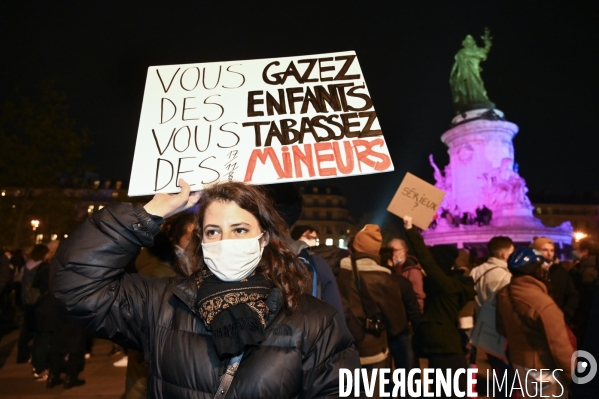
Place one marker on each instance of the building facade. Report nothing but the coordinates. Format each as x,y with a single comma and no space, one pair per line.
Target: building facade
584,217
325,209
38,215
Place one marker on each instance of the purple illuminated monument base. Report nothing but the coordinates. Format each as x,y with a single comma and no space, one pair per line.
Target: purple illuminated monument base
485,195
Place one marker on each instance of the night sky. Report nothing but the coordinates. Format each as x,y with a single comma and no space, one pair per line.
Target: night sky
542,71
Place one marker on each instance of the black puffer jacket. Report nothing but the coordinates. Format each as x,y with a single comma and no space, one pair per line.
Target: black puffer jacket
299,358
445,297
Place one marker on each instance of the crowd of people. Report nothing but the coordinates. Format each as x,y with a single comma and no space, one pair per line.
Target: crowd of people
232,297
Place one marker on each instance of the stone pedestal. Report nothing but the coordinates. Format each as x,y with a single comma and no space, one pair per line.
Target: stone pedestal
476,148
482,173
514,215
478,236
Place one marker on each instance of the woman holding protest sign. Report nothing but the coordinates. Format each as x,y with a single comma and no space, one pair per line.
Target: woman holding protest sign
241,323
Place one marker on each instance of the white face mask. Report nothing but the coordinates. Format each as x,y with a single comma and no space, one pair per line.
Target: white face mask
310,241
233,260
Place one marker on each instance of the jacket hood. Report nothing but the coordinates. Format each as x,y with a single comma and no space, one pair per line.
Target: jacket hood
445,256
364,264
296,246
365,255
32,264
410,263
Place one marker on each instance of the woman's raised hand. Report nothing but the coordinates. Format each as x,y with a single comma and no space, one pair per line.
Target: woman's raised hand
407,222
166,205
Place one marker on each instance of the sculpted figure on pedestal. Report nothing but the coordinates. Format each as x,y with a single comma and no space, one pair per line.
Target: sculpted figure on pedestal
504,186
467,87
443,182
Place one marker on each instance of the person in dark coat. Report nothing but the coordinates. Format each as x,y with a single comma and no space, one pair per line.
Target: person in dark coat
401,346
68,339
589,390
560,284
28,329
7,272
245,305
585,275
408,266
446,295
17,262
379,294
288,203
45,318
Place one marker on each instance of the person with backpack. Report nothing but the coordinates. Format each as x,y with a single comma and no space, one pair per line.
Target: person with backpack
302,240
535,328
489,278
324,284
374,299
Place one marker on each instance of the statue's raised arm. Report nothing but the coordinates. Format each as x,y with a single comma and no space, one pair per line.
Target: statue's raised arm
487,40
467,87
439,178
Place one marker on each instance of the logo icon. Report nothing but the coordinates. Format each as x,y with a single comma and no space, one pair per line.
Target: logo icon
584,367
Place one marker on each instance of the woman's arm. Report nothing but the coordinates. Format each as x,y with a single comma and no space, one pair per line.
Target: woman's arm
87,273
434,274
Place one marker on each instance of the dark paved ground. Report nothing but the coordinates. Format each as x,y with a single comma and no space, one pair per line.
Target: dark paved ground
103,380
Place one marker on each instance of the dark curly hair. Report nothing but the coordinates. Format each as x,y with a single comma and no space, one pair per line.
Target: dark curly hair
279,264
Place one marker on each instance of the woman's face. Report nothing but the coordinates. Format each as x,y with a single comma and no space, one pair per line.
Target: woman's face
226,221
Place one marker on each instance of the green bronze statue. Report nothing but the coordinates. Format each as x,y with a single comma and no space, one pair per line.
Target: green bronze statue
467,87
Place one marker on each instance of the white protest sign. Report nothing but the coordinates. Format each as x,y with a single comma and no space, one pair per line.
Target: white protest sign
418,199
257,121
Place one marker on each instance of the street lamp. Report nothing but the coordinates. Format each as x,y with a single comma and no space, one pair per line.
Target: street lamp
579,235
35,224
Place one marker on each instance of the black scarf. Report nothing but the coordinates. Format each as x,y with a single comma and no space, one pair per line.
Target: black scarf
234,311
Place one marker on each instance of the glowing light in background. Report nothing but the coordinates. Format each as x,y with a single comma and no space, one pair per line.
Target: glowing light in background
35,224
579,235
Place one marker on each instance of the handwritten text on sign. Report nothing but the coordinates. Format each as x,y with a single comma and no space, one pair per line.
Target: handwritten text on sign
418,199
257,121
